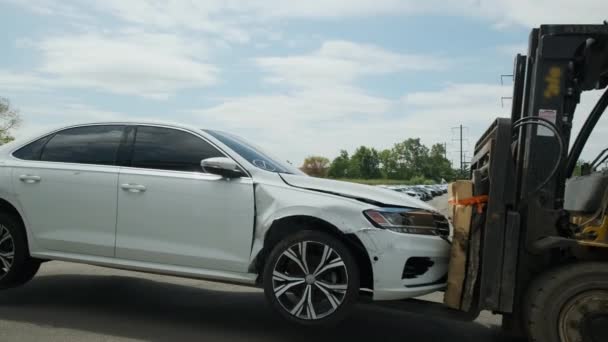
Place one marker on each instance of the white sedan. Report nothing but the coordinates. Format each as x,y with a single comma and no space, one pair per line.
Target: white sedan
205,204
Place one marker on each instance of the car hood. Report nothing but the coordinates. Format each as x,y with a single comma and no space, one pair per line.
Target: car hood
366,193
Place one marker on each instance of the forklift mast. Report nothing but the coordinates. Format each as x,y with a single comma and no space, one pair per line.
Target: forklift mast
521,163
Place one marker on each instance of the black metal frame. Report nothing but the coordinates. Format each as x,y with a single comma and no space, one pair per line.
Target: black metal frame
519,226
588,126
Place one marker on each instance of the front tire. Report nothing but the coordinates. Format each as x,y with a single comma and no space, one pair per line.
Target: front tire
311,278
569,304
16,265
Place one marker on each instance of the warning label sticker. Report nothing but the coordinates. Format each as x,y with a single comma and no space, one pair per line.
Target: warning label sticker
547,114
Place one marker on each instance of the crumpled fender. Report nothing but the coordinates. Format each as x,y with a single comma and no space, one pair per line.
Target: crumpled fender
276,202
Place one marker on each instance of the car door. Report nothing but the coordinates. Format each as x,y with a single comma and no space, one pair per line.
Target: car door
66,185
170,212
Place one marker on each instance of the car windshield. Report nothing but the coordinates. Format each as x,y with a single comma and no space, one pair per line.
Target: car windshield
253,154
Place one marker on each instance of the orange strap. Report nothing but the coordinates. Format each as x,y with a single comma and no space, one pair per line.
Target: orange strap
478,201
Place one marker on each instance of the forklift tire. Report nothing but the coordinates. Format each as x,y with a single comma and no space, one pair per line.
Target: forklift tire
569,304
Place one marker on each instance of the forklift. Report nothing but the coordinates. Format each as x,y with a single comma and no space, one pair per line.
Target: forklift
537,250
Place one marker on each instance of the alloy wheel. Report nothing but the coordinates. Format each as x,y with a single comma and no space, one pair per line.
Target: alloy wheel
310,280
7,251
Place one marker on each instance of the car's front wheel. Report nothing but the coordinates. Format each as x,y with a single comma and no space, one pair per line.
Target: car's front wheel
311,278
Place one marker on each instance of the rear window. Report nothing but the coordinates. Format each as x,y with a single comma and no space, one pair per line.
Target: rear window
32,150
84,145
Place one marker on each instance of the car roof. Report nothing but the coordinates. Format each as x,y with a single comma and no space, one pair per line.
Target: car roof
138,122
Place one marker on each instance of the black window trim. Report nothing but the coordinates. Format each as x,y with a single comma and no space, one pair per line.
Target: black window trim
127,145
50,137
131,145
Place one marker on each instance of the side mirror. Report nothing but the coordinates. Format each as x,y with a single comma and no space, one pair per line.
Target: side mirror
222,166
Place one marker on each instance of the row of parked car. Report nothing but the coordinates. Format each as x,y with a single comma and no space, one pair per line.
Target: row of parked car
421,192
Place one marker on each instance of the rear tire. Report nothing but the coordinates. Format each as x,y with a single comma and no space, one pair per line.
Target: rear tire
16,265
311,278
569,304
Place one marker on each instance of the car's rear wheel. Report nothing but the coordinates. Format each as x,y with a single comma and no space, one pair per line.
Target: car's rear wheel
311,278
16,265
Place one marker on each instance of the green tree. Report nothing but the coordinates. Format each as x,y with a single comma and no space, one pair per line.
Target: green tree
365,163
438,167
388,164
315,166
580,165
9,119
465,173
412,158
339,166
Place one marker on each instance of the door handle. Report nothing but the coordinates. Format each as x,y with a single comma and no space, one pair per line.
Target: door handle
30,179
133,187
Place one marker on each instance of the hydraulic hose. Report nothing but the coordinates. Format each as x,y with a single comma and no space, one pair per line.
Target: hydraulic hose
535,120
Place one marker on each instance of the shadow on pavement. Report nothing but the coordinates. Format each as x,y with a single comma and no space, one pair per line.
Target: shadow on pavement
145,309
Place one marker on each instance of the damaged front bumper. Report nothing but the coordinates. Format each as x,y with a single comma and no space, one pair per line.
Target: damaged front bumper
405,265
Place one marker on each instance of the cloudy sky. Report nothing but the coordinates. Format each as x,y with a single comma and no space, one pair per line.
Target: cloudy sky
297,77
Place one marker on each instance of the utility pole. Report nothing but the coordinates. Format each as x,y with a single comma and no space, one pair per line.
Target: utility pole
460,137
445,150
461,154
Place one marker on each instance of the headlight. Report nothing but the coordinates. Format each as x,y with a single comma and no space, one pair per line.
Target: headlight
408,220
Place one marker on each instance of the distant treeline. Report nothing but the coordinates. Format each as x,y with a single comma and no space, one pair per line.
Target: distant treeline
409,161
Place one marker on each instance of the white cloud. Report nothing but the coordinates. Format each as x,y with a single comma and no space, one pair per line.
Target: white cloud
52,7
533,13
513,49
233,18
297,107
210,16
134,63
130,62
342,62
318,89
11,82
458,95
321,84
43,117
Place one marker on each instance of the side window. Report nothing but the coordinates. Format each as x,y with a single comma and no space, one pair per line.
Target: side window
32,150
84,145
170,149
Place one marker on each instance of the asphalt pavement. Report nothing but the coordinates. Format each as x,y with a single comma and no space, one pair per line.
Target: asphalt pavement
71,302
